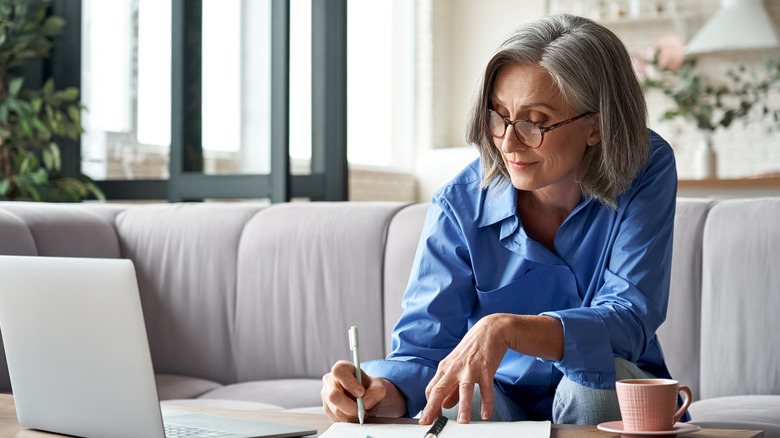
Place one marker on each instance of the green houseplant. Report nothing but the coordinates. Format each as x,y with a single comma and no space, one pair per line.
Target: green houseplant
710,104
32,120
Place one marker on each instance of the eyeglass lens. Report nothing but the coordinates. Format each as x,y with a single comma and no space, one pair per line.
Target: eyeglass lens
526,132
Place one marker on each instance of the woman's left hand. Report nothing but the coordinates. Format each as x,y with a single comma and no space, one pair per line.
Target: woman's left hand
474,361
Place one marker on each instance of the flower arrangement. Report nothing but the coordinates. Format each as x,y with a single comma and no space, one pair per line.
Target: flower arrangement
710,104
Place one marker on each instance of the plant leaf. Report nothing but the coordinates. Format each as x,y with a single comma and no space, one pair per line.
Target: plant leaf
15,85
55,153
74,113
48,160
26,127
52,26
67,95
40,176
48,87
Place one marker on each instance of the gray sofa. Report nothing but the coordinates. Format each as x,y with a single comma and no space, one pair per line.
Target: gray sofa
248,305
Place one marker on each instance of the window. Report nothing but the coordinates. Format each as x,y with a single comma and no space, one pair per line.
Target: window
126,85
126,71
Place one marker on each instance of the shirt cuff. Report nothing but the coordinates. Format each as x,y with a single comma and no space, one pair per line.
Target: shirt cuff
409,377
587,353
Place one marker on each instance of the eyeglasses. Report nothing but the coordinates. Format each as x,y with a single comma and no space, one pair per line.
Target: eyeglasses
529,133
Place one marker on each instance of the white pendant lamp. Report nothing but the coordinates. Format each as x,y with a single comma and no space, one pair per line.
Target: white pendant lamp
738,25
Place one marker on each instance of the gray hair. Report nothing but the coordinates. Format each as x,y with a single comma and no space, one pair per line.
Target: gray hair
593,71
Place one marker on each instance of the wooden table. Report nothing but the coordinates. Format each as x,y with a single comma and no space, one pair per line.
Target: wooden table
9,426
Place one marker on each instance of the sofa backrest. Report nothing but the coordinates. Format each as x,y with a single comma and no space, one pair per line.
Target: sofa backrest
306,273
403,236
233,292
679,334
185,257
68,230
741,299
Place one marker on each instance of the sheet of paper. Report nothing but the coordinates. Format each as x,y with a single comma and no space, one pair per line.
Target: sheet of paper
525,429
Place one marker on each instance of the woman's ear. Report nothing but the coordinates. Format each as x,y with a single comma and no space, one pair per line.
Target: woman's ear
594,129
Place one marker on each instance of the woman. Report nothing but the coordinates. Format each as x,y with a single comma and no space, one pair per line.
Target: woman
542,272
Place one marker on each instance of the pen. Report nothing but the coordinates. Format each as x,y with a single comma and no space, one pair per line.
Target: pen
435,430
353,345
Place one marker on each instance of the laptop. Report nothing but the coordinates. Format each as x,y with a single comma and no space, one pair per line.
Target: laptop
78,355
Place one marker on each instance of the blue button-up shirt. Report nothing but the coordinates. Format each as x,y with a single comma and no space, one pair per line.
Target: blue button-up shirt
607,282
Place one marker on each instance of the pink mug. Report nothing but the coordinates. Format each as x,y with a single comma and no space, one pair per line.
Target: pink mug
649,404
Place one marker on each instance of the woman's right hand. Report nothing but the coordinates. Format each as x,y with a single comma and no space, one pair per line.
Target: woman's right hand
340,390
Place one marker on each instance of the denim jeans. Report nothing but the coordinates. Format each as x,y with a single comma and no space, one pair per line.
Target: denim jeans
573,403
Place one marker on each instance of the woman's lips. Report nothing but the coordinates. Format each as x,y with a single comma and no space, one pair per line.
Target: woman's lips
519,165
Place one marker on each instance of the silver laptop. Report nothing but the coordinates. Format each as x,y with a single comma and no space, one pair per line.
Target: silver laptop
79,359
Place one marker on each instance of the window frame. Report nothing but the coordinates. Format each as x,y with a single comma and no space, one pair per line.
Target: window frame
328,180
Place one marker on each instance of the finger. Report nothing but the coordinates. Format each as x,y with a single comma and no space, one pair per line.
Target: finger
335,415
486,393
336,399
451,400
464,407
344,373
375,391
434,381
432,409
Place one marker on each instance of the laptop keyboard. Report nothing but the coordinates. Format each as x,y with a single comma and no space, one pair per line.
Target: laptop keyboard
178,431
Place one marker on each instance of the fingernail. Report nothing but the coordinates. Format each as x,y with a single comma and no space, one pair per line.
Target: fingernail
462,417
367,402
485,415
424,419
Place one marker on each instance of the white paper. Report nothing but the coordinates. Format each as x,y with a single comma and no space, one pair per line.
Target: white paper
492,429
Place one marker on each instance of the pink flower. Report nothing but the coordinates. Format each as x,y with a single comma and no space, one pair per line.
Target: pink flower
671,52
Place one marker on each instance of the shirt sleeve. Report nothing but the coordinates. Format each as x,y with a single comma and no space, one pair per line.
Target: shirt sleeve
624,313
436,305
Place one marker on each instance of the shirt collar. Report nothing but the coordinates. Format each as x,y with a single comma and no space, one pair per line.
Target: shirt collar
497,203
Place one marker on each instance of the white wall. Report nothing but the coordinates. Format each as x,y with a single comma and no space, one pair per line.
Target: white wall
464,33
477,27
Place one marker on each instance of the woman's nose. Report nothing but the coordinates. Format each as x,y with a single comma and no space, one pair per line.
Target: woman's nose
510,143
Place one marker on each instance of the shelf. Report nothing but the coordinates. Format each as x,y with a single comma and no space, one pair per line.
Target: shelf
741,183
640,21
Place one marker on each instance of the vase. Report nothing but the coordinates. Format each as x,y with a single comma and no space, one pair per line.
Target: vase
705,164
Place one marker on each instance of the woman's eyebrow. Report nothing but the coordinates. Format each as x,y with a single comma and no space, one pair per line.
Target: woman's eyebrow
537,105
496,101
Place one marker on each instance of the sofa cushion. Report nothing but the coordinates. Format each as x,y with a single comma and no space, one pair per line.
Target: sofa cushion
185,260
171,386
683,315
740,351
403,235
208,403
310,410
284,393
15,238
302,283
67,230
756,412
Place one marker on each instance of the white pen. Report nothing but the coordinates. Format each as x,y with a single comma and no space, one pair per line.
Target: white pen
353,345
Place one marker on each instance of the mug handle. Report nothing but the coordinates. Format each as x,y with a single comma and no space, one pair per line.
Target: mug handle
686,402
